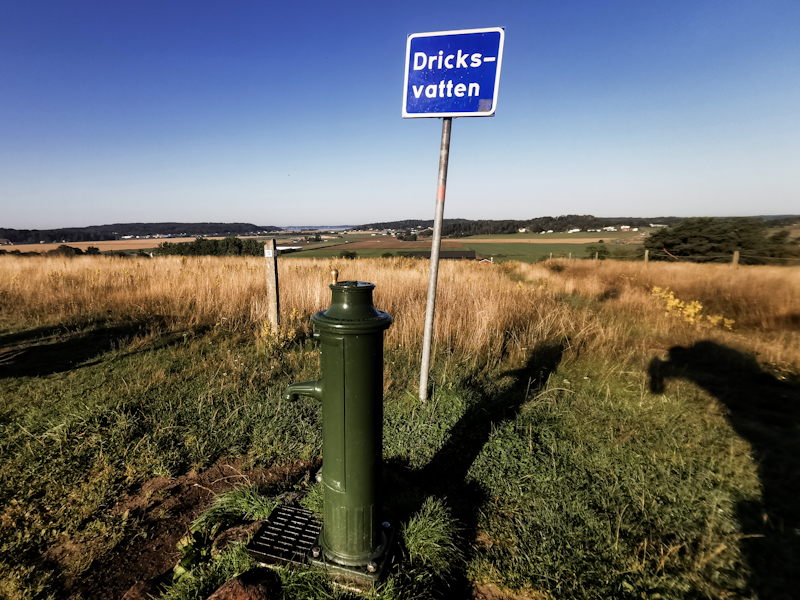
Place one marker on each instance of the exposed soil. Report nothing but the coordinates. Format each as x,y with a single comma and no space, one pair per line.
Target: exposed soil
165,508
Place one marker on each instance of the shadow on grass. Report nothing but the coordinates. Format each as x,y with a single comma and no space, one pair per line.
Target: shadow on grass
764,411
48,350
445,476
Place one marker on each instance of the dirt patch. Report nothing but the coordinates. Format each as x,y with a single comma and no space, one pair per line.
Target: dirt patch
165,509
484,591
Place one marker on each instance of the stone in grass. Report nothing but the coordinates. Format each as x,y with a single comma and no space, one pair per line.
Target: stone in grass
255,584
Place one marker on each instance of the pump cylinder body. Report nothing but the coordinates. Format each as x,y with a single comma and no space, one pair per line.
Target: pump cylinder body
350,333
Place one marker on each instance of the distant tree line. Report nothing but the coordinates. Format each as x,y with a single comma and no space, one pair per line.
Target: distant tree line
557,224
63,250
96,233
707,239
465,227
229,246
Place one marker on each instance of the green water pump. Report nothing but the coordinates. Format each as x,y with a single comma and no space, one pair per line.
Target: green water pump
350,334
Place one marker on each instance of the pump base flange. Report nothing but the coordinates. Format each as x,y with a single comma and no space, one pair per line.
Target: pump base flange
371,573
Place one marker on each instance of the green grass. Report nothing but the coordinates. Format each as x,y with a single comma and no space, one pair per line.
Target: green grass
572,475
529,253
335,252
587,478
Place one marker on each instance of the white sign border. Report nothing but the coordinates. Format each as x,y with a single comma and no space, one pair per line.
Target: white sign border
411,36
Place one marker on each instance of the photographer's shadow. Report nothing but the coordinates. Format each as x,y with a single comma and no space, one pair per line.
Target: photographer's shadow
765,411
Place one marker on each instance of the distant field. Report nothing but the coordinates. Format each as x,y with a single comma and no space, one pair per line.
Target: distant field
537,240
527,253
502,249
140,244
524,247
114,245
563,236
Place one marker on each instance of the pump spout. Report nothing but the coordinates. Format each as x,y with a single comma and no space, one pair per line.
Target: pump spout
304,388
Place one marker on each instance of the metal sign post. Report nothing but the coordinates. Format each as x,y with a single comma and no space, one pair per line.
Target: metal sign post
273,295
449,74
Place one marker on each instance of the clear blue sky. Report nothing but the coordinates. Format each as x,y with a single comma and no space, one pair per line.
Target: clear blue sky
289,113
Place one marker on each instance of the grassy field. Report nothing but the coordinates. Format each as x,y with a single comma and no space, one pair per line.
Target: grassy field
501,252
528,253
594,430
520,247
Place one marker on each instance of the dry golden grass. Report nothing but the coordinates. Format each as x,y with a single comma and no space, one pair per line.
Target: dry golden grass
483,316
763,302
484,313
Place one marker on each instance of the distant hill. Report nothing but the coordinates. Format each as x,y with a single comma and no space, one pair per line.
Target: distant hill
450,227
116,231
465,227
407,224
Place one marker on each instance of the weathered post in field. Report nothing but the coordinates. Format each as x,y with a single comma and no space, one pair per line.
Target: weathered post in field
470,91
596,254
646,256
273,298
735,262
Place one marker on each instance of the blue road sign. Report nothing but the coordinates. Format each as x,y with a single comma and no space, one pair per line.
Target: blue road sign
453,73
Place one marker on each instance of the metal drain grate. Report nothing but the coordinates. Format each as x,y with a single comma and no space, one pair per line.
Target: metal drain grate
286,536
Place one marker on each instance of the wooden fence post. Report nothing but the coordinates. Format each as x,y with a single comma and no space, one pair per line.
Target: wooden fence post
273,298
646,256
735,262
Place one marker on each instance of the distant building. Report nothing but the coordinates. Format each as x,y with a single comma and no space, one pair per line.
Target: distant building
443,254
522,230
288,249
5,242
657,225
